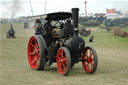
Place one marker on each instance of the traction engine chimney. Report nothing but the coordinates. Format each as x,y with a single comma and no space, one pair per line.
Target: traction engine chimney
75,16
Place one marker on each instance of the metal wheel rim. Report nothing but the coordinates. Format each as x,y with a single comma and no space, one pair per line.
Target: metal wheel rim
61,61
89,64
33,53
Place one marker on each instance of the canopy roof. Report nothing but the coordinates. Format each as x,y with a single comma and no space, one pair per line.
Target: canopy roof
59,16
53,16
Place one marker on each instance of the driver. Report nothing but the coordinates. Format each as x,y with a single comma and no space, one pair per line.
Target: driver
37,26
48,27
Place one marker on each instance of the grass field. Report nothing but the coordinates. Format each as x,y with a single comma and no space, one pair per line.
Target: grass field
15,70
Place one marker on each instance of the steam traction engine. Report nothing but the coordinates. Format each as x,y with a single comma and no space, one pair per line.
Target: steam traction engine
58,41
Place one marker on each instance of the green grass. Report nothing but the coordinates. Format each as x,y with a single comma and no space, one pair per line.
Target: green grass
112,61
104,38
125,29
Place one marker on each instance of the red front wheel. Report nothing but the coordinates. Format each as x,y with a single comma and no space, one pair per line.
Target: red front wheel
90,60
63,61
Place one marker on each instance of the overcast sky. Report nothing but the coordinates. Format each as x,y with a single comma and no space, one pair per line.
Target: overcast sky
15,8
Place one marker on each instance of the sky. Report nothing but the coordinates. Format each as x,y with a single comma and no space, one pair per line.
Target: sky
16,8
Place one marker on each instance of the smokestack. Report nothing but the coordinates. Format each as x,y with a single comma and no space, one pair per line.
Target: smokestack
85,8
75,16
75,13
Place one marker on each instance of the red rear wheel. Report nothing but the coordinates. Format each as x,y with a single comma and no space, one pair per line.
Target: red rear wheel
90,65
35,53
63,61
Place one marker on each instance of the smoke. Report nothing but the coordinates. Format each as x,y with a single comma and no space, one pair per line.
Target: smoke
11,7
16,7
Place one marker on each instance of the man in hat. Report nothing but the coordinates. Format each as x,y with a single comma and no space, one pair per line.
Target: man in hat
37,26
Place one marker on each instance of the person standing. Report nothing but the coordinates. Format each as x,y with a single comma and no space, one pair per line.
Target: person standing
37,26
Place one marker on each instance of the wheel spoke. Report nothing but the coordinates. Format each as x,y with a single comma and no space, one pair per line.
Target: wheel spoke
32,53
64,67
59,58
37,60
36,64
34,60
36,45
38,50
87,65
64,60
37,54
62,54
60,64
32,45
